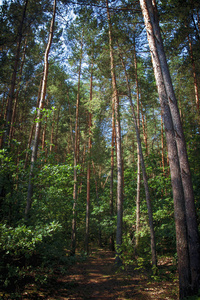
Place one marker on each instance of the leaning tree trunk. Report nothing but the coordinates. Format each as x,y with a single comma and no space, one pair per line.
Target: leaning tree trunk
192,226
39,113
176,180
146,186
119,148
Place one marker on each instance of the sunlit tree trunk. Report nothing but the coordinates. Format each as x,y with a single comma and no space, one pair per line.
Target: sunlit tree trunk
39,113
76,157
192,226
119,148
171,132
32,128
138,150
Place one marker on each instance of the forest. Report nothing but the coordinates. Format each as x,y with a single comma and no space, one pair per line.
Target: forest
99,144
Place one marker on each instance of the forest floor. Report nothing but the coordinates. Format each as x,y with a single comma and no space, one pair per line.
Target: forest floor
97,278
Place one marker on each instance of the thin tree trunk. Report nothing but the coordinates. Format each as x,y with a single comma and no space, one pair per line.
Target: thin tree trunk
14,76
144,127
138,150
97,197
112,246
178,195
76,156
70,122
39,112
52,132
196,91
44,129
56,135
3,117
17,94
162,147
191,218
148,200
119,148
32,128
88,169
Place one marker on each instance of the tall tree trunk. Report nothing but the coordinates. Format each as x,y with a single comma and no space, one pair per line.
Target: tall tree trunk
138,150
192,226
112,246
39,113
76,156
14,76
119,148
32,127
97,198
70,122
88,169
148,200
144,128
44,130
176,180
17,94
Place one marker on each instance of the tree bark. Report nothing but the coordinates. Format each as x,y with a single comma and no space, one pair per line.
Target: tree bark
138,150
39,113
192,226
17,94
112,246
176,180
97,198
44,129
119,148
162,147
32,128
14,76
76,156
196,90
144,127
88,169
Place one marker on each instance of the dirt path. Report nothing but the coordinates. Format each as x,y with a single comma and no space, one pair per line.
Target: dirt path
97,279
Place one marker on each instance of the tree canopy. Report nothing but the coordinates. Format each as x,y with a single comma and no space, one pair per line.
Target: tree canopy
85,174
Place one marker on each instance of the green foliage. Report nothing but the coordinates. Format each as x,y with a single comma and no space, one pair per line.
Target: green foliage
18,240
19,248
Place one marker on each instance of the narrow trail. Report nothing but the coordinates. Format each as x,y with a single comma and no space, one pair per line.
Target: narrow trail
96,278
